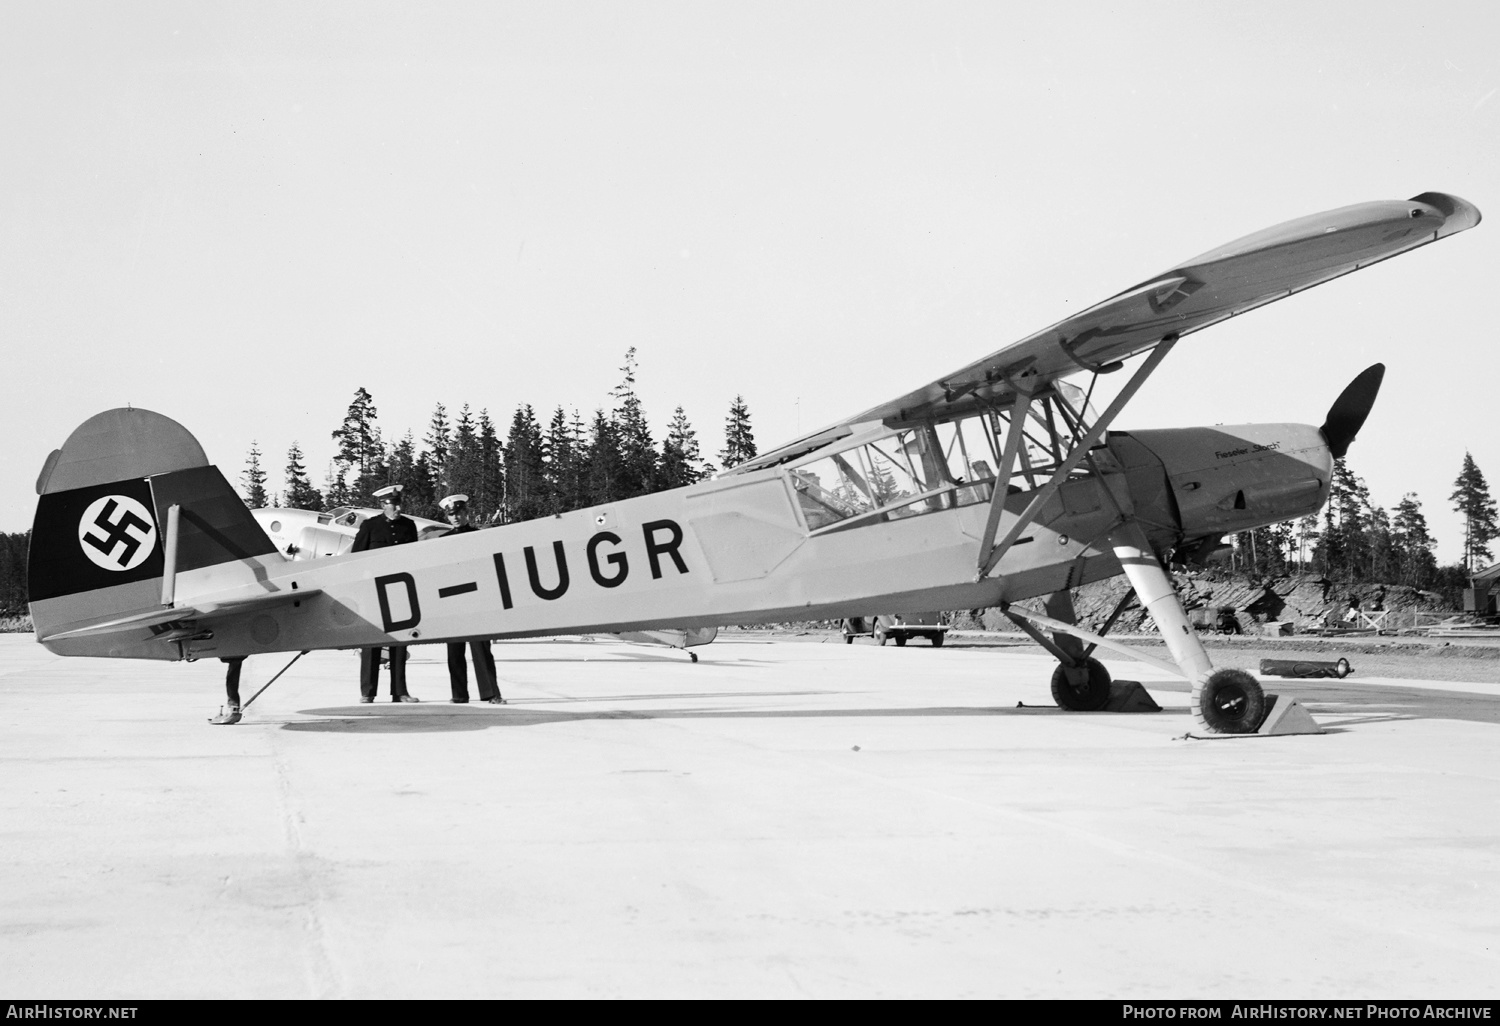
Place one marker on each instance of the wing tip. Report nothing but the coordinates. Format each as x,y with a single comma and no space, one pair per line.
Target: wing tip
1458,213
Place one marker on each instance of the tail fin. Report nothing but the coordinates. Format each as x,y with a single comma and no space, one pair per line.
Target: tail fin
99,538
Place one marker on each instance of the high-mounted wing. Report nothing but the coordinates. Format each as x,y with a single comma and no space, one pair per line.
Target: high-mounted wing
1240,276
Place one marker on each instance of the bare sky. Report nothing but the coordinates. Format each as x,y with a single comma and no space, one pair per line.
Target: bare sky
237,214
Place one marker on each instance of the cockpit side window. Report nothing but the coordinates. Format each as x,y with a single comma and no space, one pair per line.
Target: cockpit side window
913,471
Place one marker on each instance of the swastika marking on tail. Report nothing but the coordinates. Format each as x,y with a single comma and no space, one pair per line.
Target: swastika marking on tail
116,532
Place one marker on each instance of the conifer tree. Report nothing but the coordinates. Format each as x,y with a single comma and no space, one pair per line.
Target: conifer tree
603,461
1347,546
488,493
361,452
1412,545
681,461
300,494
336,487
414,474
1307,540
461,468
14,549
437,441
525,473
637,452
583,457
254,479
563,459
1471,500
739,441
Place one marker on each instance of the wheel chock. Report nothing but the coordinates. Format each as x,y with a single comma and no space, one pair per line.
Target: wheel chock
1287,716
1129,696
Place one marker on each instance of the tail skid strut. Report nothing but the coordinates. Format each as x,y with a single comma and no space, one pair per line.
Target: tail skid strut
273,680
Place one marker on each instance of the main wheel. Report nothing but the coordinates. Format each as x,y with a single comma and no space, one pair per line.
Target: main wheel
848,639
937,640
1232,702
900,640
879,634
1088,696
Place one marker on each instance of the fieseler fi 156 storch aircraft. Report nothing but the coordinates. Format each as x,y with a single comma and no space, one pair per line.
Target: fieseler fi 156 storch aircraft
993,484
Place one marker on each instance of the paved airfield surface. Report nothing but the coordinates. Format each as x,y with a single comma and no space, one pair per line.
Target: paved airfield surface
785,818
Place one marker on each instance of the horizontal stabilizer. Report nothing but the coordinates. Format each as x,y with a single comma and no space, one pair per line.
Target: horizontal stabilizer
199,613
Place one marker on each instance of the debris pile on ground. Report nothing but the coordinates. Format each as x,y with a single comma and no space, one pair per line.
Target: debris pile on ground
1237,603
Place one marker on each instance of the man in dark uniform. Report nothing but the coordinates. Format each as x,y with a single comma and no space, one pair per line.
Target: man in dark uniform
391,528
457,509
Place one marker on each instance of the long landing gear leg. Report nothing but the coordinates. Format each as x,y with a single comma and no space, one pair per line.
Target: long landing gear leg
1224,701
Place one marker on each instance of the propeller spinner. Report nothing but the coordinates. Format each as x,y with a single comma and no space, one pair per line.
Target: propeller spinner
1348,412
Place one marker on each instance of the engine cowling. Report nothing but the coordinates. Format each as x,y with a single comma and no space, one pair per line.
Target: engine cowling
1220,480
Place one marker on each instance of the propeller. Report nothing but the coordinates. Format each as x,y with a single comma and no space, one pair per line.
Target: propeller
1348,412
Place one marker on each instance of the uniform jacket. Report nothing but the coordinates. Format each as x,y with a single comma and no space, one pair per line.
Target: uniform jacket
379,531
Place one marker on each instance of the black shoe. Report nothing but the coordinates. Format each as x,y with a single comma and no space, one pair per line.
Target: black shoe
459,701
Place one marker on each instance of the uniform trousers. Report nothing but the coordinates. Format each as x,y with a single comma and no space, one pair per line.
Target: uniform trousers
369,671
232,667
484,670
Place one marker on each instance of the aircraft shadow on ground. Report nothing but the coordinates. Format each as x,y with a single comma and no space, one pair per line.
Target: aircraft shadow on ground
399,719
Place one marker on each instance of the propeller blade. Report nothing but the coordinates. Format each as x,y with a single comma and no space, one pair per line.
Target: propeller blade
1348,412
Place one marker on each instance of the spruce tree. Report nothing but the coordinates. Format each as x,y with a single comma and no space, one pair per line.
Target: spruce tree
681,461
525,473
562,459
254,479
336,487
637,451
461,467
578,433
739,441
1471,500
603,483
300,494
414,474
437,441
488,493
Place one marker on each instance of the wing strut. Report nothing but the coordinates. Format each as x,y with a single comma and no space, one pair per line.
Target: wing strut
988,555
1020,409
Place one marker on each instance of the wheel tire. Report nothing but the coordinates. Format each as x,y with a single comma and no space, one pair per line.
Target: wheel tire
1091,697
879,634
848,639
1232,702
900,640
937,640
